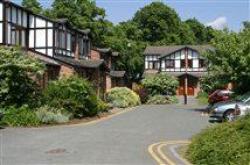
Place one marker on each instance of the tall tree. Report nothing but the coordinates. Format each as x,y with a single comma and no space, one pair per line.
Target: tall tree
158,22
186,34
231,58
32,5
198,29
83,14
246,24
130,59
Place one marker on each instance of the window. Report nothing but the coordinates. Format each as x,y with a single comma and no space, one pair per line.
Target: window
201,63
170,63
183,63
153,62
190,63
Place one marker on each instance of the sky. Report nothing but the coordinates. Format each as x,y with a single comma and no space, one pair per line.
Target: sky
215,13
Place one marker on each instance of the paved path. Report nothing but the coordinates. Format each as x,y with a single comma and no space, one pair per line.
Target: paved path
123,139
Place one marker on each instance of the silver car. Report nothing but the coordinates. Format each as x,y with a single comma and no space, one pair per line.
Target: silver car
229,110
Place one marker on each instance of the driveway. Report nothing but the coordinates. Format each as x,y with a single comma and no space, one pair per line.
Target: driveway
122,139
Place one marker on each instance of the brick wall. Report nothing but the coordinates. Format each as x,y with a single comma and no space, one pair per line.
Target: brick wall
66,71
95,55
108,83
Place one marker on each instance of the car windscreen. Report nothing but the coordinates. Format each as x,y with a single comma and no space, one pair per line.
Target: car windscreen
244,97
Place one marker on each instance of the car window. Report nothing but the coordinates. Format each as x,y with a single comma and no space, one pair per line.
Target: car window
247,101
244,97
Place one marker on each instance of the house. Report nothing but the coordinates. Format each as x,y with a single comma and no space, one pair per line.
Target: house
182,61
113,78
64,49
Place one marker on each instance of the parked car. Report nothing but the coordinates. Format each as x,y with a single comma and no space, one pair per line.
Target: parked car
228,110
219,95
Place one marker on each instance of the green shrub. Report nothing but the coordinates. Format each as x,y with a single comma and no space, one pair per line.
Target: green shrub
73,94
102,106
49,115
160,99
122,97
160,84
227,143
17,117
202,98
16,86
172,99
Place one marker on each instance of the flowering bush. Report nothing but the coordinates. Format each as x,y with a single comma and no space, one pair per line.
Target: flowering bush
122,97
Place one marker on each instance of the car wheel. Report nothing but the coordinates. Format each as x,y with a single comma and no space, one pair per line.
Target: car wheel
229,116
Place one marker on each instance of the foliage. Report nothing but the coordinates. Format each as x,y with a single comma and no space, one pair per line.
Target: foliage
16,117
202,97
32,5
230,59
227,143
157,99
73,94
103,106
82,14
130,52
161,99
16,69
246,24
210,82
50,115
199,30
142,93
122,97
160,84
158,22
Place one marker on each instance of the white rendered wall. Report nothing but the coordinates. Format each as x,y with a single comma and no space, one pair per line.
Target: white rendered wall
1,11
31,38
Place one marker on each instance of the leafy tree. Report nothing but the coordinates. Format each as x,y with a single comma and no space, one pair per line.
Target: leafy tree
246,24
158,22
186,34
231,58
16,69
82,14
198,29
32,5
130,54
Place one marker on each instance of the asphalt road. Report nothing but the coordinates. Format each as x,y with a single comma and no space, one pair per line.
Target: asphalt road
122,139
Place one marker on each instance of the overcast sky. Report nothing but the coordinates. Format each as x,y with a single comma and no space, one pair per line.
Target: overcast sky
216,13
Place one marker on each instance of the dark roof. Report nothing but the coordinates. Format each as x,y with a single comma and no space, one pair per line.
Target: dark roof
107,50
47,60
82,63
117,74
166,50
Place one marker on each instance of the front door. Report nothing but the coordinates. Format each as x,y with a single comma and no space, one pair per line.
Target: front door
190,87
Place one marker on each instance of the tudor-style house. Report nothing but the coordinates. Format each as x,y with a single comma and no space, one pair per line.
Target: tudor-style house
64,49
182,61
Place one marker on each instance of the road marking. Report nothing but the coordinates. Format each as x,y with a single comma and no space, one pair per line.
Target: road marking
152,153
155,150
164,157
